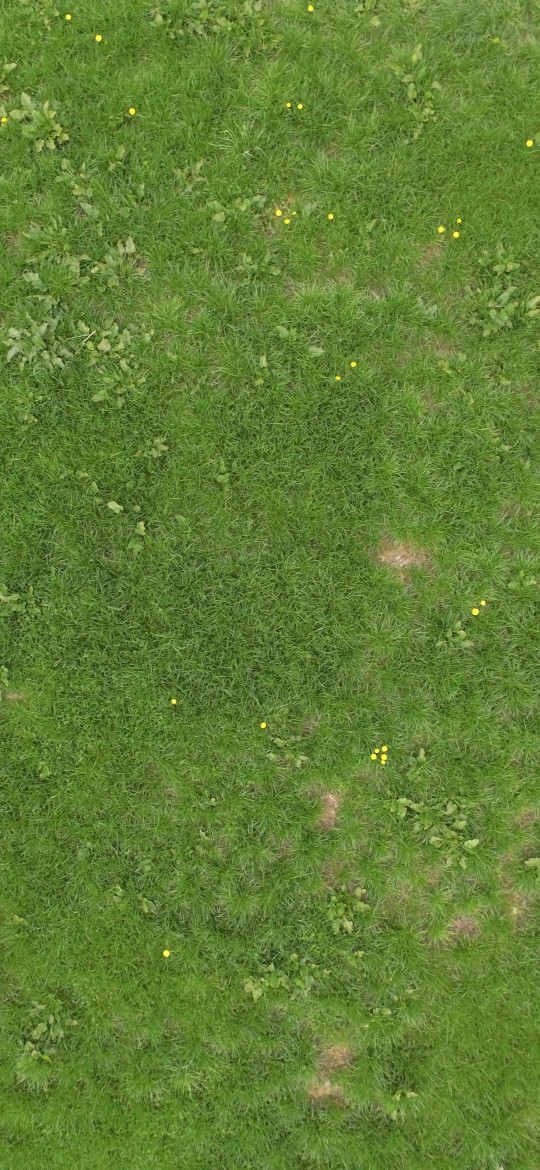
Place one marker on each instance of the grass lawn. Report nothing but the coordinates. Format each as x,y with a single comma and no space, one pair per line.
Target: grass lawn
270,585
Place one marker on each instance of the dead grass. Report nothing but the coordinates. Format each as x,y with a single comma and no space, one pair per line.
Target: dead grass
13,696
400,556
328,817
334,1057
526,818
464,926
432,252
325,1090
310,725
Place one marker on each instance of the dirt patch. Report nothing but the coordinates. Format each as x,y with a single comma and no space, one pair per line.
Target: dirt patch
334,1057
465,926
325,1090
328,817
431,252
401,556
13,696
526,818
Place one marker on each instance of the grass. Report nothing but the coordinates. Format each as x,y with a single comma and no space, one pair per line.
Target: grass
211,520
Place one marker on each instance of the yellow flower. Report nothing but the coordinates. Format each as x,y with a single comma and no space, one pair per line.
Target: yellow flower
475,611
294,212
353,364
482,603
383,759
377,750
166,953
3,120
263,724
278,212
330,216
288,105
174,700
338,377
68,15
99,37
373,756
455,235
530,142
286,221
458,221
310,7
300,106
441,229
384,748
132,109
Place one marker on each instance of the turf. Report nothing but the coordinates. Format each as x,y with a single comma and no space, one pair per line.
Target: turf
234,564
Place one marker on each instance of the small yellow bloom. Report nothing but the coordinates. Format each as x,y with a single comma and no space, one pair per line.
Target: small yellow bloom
4,120
455,235
294,212
166,953
330,216
353,364
373,756
384,748
99,37
338,377
263,724
300,106
530,142
440,229
482,603
377,750
68,15
458,221
475,611
495,40
132,109
174,700
310,7
278,212
383,759
286,221
288,105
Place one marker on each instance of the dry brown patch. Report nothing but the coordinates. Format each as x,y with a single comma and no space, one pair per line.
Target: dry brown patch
377,291
328,817
13,243
326,1089
431,252
310,725
401,556
444,350
526,818
13,696
334,1057
464,926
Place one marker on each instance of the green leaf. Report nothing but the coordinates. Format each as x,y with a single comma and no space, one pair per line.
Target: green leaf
315,350
533,863
283,332
116,508
471,844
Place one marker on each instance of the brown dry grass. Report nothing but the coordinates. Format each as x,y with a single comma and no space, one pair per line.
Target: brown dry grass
326,1089
432,252
328,817
400,555
464,926
13,696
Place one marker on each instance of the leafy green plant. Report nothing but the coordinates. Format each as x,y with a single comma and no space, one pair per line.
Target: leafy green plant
365,8
211,17
45,11
521,582
113,356
4,84
344,907
42,1037
441,825
119,262
17,603
287,755
189,177
456,637
299,979
256,269
419,91
494,305
38,124
35,342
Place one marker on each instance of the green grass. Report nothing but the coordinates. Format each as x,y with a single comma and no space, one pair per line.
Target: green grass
241,572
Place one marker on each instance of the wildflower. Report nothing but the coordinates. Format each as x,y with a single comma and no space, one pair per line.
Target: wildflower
475,611
166,953
174,701
310,7
294,212
458,221
330,216
338,377
482,603
263,724
99,37
68,15
455,235
3,120
286,221
278,212
384,748
373,756
288,105
300,106
440,229
353,364
132,109
530,142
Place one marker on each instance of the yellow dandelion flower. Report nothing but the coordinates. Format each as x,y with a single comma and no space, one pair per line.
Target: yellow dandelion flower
99,37
482,603
68,15
455,235
384,748
338,377
294,212
300,106
288,105
353,364
458,221
373,756
263,724
310,7
174,700
383,762
440,229
530,142
3,120
278,212
286,221
166,953
132,109
377,750
383,759
330,216
475,611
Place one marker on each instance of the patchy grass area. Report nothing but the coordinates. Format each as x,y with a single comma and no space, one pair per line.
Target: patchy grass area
269,585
